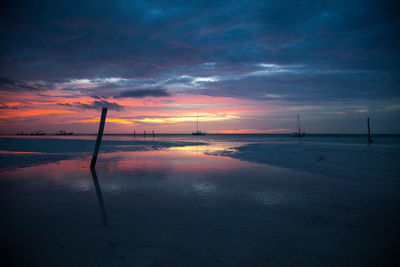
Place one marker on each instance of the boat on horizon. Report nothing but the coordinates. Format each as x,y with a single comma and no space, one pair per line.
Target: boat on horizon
197,132
37,133
299,133
62,132
22,133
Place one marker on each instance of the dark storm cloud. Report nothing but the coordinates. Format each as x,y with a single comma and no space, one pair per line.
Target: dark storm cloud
143,93
11,85
307,86
348,49
98,105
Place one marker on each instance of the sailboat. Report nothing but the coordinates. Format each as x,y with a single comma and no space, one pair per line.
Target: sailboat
299,133
197,129
62,132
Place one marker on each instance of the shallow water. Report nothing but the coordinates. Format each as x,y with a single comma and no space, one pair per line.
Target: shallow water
379,139
180,206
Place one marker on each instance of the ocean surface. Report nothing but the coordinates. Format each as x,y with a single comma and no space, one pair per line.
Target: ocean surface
379,139
213,200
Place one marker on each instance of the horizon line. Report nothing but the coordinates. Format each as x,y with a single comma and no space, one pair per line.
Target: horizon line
150,133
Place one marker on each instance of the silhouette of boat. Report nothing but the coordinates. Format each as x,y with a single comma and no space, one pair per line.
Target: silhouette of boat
22,133
62,132
37,133
299,133
197,132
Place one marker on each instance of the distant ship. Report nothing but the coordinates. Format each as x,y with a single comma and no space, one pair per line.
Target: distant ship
197,129
299,133
22,133
61,132
37,133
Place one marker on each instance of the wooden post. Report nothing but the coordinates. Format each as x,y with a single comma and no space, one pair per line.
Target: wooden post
144,133
134,133
154,134
369,132
99,197
99,136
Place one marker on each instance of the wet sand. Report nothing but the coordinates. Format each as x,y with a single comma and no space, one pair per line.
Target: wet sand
180,205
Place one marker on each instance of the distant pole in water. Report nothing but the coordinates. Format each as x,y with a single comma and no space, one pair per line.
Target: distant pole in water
144,133
154,134
134,133
99,136
369,132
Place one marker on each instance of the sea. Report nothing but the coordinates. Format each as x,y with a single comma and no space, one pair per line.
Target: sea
378,139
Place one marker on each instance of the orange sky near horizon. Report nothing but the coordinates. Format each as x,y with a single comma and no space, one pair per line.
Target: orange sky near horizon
51,111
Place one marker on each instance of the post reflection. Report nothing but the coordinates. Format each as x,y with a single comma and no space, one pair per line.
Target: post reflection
99,197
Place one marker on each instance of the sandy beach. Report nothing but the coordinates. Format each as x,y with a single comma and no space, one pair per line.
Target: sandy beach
210,201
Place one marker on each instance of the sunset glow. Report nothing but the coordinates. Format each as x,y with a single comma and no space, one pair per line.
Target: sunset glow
199,133
163,65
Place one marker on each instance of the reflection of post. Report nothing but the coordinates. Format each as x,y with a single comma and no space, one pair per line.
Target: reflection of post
99,136
99,197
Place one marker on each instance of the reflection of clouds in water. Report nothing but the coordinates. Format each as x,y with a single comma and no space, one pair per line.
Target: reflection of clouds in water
175,171
115,187
269,198
204,188
80,185
209,148
71,174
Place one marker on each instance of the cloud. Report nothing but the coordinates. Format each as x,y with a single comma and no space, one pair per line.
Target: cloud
98,105
99,39
143,93
308,52
99,97
12,85
5,106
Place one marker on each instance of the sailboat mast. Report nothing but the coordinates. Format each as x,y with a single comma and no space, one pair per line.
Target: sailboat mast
298,120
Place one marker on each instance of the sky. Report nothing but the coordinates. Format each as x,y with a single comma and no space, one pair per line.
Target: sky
240,66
